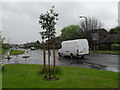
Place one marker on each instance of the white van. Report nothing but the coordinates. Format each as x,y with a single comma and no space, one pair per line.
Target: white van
78,47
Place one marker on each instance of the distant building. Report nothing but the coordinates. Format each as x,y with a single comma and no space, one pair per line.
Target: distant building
102,34
111,39
98,36
119,13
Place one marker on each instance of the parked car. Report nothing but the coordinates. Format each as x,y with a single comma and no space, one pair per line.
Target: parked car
33,48
74,48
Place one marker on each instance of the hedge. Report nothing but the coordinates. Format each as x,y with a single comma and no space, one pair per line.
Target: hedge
116,47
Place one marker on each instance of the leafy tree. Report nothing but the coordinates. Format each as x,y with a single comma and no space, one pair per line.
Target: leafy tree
1,38
48,22
37,42
116,30
70,32
1,42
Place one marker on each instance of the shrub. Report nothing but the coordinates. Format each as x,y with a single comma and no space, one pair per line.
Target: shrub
103,47
116,47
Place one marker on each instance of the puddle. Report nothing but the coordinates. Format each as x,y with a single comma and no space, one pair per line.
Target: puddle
112,69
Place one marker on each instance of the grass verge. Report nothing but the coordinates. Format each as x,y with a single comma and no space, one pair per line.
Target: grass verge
0,79
15,52
107,52
28,76
4,50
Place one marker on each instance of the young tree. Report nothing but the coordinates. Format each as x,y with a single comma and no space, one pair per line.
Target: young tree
48,22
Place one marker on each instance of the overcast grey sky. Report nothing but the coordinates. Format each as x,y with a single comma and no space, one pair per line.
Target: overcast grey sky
20,19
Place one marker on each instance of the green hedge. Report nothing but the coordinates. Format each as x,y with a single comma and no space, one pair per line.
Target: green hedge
103,47
116,47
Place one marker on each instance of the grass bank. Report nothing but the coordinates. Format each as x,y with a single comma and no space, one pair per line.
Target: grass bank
107,52
15,52
4,50
0,79
28,76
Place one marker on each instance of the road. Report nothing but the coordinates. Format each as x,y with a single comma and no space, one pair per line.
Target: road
36,57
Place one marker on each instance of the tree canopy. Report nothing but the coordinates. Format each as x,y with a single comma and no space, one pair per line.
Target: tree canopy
85,29
48,22
70,32
115,30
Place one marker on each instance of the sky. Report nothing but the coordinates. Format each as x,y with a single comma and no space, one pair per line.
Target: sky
19,18
119,13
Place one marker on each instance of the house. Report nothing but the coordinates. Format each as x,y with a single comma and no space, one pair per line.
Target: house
111,39
99,35
102,34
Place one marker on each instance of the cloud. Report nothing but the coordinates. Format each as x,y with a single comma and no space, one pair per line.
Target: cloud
60,0
20,19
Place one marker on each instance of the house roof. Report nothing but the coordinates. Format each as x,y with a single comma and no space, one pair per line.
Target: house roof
100,31
112,38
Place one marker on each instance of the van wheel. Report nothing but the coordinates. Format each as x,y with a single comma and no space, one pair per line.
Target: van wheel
82,57
59,55
71,55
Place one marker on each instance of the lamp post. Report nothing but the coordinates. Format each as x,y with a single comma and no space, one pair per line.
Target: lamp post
86,24
98,39
95,37
85,20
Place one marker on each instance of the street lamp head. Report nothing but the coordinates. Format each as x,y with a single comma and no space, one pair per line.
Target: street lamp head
82,17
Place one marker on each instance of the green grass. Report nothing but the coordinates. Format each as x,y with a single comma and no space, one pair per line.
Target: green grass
0,79
107,52
28,76
4,50
15,52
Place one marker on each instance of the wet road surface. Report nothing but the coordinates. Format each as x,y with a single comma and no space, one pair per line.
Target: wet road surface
98,61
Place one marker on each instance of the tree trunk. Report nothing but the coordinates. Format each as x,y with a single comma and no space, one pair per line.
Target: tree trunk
44,58
54,61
